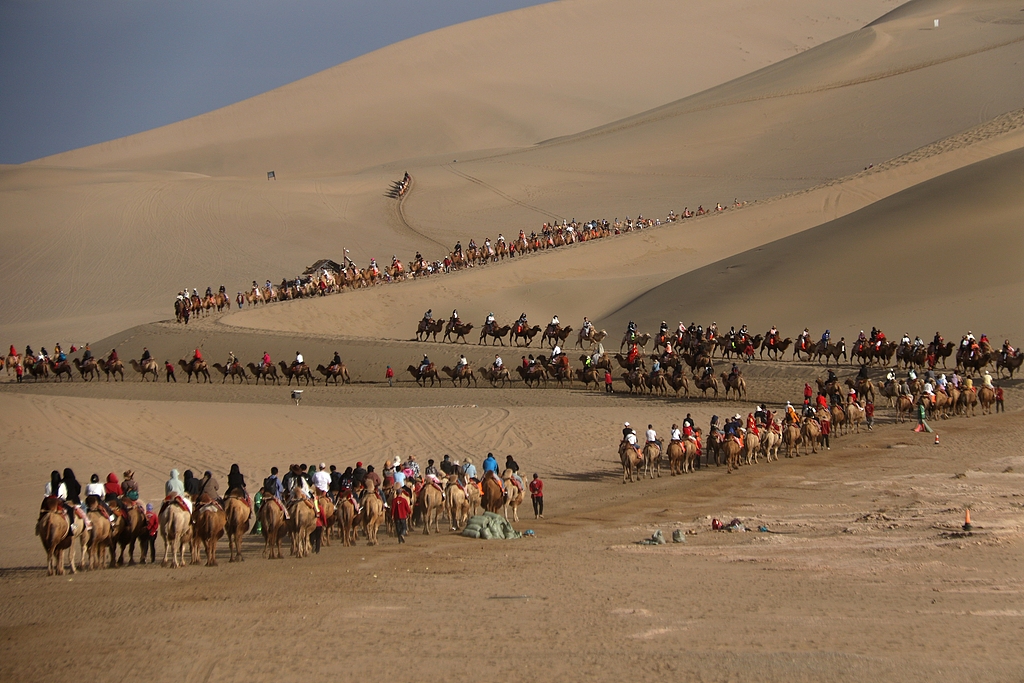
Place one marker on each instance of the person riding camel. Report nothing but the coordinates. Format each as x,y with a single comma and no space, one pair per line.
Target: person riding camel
773,335
804,338
631,331
588,328
497,362
709,372
424,364
918,342
146,355
879,339
197,356
112,358
428,317
861,338
791,416
851,398
734,372
752,424
462,362
629,436
454,319
905,341
556,352
634,354
664,328
588,362
299,361
87,356
553,325
266,360
1007,352
862,373
489,322
336,361
521,323
826,335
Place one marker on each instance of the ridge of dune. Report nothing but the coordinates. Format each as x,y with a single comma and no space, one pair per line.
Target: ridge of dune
502,81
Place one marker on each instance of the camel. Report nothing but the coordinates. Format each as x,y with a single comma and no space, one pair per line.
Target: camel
803,346
640,339
810,432
430,372
493,497
527,333
496,334
736,384
301,524
236,370
427,329
705,383
791,438
752,447
273,525
904,407
52,529
129,527
372,513
652,459
456,502
299,372
99,538
556,336
1011,364
676,458
114,368
463,374
631,460
337,373
345,513
236,523
590,376
36,369
636,381
515,493
176,530
830,351
855,415
11,360
677,383
474,497
987,397
460,330
146,367
770,442
731,450
264,371
941,351
87,370
430,503
968,401
195,367
496,375
595,337
535,373
209,527
776,349
60,369
972,363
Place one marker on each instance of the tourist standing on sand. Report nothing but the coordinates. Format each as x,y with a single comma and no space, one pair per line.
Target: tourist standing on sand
401,510
537,495
389,375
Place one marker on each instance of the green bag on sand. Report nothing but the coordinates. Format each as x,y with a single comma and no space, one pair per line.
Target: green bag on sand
488,526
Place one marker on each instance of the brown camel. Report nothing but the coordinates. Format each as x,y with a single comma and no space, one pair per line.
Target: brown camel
52,530
429,329
99,537
11,361
176,530
128,529
987,398
515,493
372,513
273,526
652,459
770,442
496,375
298,373
791,438
590,376
527,333
209,527
460,374
115,368
195,367
810,432
640,339
36,369
556,336
236,370
456,503
236,523
327,510
595,337
735,384
967,402
705,383
752,447
264,371
676,457
460,330
631,460
346,515
775,348
338,373
430,372
731,450
496,334
146,367
1011,364
493,497
87,370
535,373
61,369
301,524
429,503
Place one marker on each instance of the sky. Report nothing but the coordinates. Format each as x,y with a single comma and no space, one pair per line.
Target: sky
78,72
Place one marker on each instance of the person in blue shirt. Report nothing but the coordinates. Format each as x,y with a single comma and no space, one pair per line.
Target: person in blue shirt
468,471
490,464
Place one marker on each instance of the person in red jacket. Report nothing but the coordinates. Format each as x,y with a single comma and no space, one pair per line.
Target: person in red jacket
401,510
607,381
389,375
537,495
152,528
807,393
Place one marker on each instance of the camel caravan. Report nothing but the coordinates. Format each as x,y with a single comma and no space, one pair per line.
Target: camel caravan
310,506
329,277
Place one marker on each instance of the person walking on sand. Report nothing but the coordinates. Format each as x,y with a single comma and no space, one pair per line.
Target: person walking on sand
169,371
401,510
922,425
389,375
537,495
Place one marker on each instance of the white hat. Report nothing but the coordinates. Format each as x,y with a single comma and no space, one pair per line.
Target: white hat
736,416
788,403
626,425
323,466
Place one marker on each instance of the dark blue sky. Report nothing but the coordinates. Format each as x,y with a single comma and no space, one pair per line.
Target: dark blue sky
78,72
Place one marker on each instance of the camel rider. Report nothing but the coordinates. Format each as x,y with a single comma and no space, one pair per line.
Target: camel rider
195,292
918,342
1008,350
61,356
734,373
629,435
521,323
455,320
941,383
472,244
970,337
458,248
937,339
928,390
911,374
232,361
487,245
87,356
751,423
112,358
373,266
501,238
652,436
555,353
852,396
681,330
490,466
223,290
826,335
906,339
462,362
863,372
743,331
761,415
773,334
588,327
831,377
266,359
791,416
709,372
664,327
209,292
588,362
804,337
553,325
298,360
676,434
986,380
146,355
891,376
269,287
336,361
497,362
634,355
197,355
879,339
861,338
631,331
489,322
428,317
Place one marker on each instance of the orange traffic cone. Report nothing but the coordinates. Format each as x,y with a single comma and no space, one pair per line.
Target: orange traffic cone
967,520
936,439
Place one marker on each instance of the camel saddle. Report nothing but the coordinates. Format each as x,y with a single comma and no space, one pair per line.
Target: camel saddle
175,500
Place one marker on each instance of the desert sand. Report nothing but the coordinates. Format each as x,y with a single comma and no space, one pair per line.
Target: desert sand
879,163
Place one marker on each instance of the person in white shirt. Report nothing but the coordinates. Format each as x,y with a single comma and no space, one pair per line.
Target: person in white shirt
677,434
95,487
462,361
556,352
652,436
497,362
554,322
322,479
298,360
55,487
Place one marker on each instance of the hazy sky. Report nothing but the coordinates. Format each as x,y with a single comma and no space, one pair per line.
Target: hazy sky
77,72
